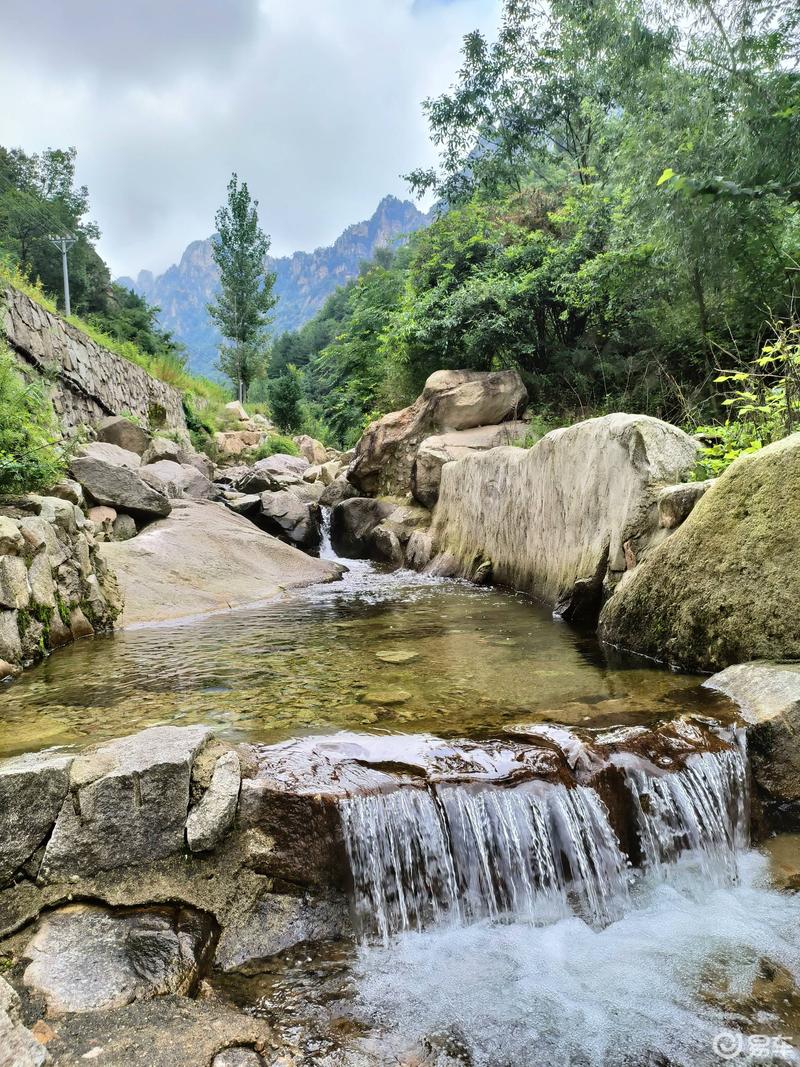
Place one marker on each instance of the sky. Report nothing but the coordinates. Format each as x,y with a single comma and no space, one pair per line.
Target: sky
315,103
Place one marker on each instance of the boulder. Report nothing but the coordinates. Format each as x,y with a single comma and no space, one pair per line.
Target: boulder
235,410
117,430
11,540
14,590
18,1046
676,502
88,958
104,518
128,804
213,816
275,924
119,487
233,443
200,462
339,489
113,454
285,515
565,519
451,400
162,448
725,586
33,788
204,558
178,479
123,529
352,524
66,489
435,451
768,696
281,465
311,449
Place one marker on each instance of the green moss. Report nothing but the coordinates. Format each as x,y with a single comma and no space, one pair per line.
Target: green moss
62,609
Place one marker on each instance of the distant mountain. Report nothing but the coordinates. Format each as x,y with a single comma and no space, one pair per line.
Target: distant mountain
303,281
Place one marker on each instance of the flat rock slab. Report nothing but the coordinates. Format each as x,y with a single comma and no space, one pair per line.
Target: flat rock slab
205,559
90,958
169,1031
399,656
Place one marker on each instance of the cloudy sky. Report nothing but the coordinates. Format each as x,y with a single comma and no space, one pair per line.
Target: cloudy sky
314,102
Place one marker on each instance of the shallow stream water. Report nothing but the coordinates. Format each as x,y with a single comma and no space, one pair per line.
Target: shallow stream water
695,967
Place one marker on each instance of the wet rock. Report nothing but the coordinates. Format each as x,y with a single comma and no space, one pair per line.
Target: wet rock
562,520
18,1046
311,449
285,515
451,400
113,454
386,697
275,924
124,528
676,502
166,1031
724,587
128,802
79,625
386,545
768,696
33,788
90,958
435,451
119,487
124,433
352,523
213,816
397,656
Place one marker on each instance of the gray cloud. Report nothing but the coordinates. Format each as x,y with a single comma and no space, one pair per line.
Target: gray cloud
314,102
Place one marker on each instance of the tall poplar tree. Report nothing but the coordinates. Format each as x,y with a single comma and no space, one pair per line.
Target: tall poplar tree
241,310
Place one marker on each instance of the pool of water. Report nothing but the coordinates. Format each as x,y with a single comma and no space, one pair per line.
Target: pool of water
378,651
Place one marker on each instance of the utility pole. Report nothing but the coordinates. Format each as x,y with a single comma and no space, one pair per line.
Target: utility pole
64,244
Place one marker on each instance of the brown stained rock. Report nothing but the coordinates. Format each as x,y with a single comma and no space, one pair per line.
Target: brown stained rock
434,452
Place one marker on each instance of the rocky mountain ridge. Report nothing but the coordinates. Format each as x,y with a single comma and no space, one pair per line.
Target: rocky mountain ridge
303,280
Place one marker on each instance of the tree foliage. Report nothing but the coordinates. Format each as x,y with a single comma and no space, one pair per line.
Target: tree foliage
241,309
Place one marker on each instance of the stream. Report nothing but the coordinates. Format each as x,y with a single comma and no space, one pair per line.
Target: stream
692,960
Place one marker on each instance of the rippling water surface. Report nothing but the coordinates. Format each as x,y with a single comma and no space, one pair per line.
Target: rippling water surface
377,651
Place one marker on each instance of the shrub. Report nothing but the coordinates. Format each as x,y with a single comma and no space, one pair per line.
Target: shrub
31,456
274,444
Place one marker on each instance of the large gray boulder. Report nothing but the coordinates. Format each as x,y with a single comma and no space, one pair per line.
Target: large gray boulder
89,958
119,487
352,524
113,454
178,479
434,452
117,430
285,515
768,696
339,489
212,817
451,400
565,519
162,448
33,788
724,588
128,802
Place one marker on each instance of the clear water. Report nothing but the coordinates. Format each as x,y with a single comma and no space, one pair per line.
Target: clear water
474,661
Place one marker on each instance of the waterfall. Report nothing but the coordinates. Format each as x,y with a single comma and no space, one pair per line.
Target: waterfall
457,853
326,548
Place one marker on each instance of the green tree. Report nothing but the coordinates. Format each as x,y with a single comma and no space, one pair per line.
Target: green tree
285,398
241,310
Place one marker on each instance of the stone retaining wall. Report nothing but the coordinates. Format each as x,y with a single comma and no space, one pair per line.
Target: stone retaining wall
90,382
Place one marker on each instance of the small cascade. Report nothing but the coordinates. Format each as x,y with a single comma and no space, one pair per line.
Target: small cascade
453,853
326,548
701,813
538,852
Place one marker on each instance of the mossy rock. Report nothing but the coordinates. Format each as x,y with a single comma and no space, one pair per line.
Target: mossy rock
725,587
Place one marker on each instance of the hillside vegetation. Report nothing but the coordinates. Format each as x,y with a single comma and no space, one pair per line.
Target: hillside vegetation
618,189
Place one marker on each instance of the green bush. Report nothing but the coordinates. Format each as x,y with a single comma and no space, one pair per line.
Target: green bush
31,457
274,444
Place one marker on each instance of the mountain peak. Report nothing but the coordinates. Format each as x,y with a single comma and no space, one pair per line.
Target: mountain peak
303,280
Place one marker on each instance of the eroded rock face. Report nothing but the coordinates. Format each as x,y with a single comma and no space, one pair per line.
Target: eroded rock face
724,588
33,788
435,451
352,525
128,802
564,519
119,487
89,958
768,695
451,400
